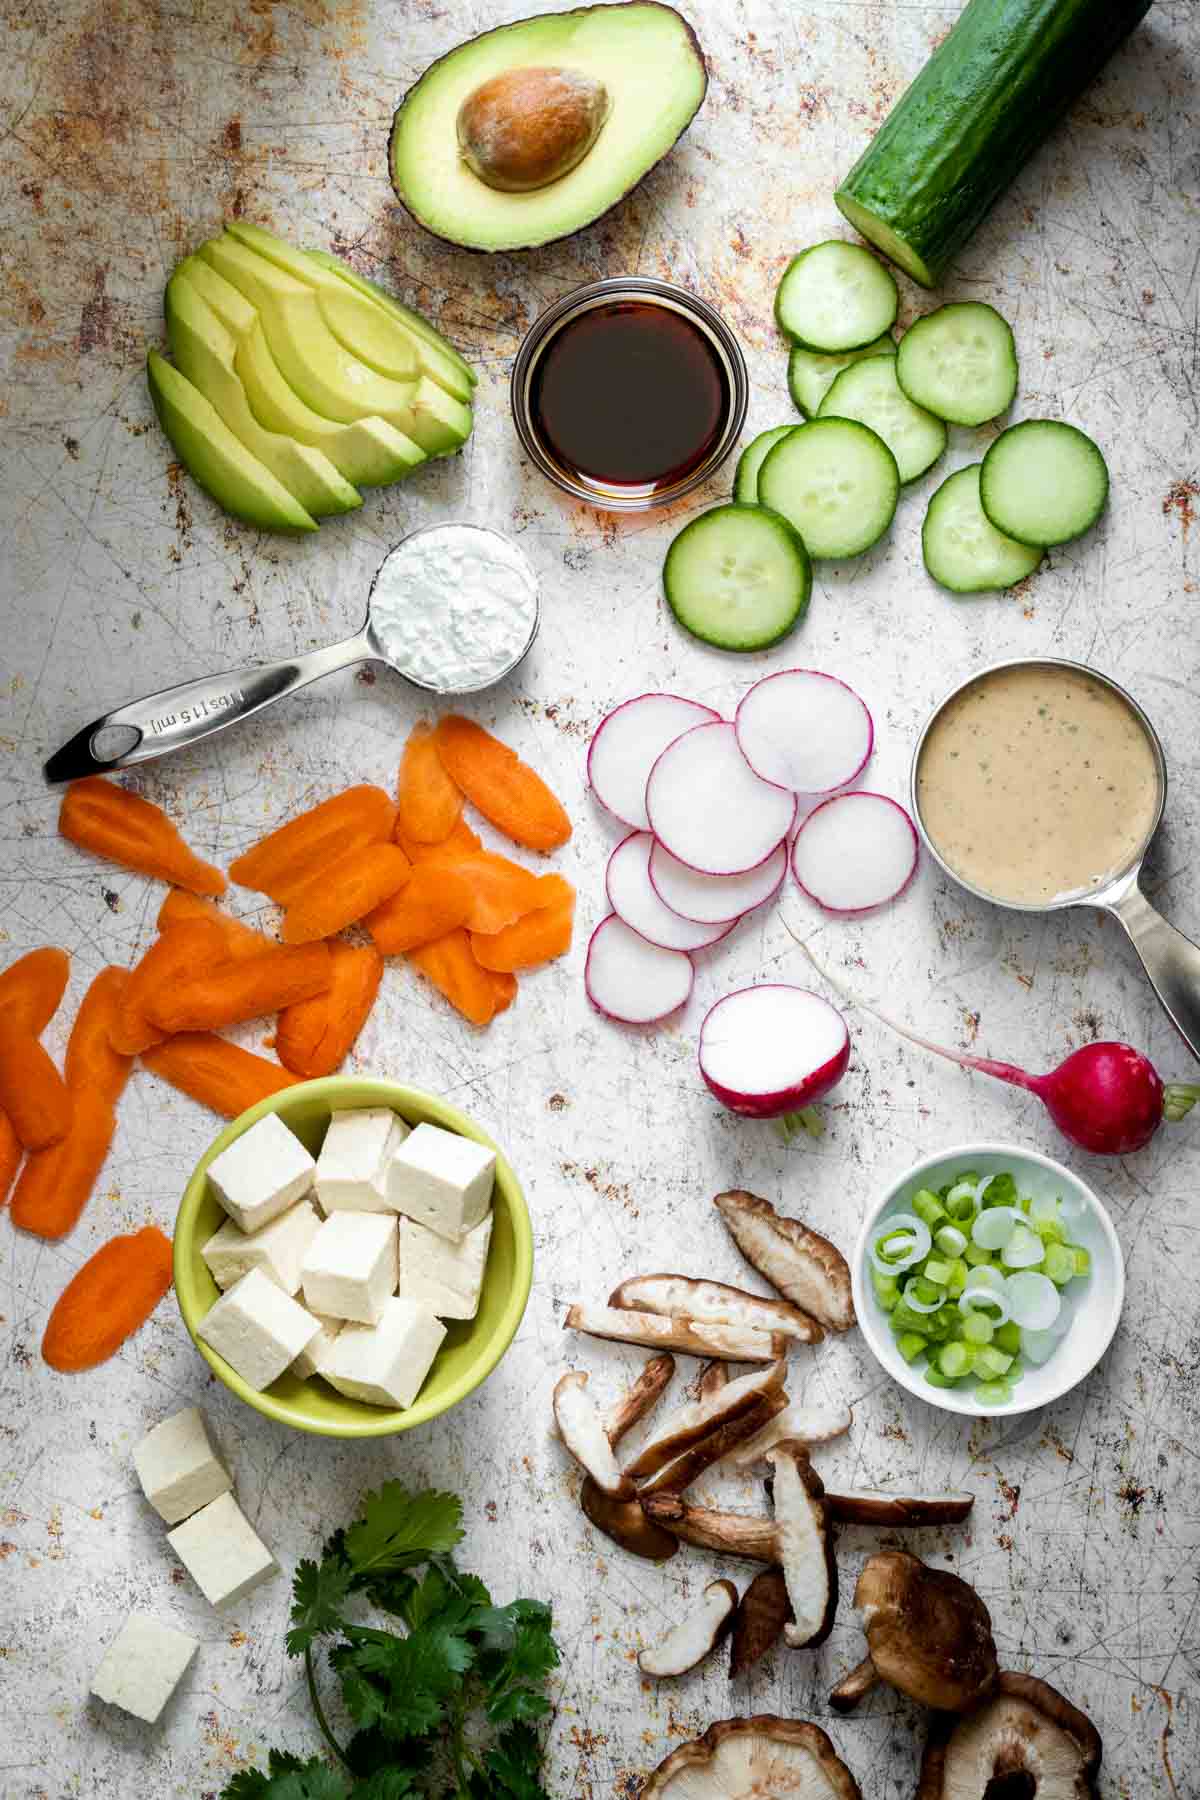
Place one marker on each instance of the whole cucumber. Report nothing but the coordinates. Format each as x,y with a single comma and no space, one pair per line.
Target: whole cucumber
981,105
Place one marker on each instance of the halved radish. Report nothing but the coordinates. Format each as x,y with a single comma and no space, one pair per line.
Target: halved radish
627,978
632,898
715,899
710,809
804,730
854,852
627,744
773,1049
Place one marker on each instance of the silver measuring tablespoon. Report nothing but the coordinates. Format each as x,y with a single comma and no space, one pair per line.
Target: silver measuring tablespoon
420,603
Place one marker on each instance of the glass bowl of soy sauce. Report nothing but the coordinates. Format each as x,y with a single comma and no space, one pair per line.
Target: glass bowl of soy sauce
628,393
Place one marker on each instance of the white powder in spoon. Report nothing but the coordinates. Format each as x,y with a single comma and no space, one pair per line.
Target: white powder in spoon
454,607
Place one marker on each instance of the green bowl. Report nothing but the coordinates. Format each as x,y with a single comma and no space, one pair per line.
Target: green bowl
472,1348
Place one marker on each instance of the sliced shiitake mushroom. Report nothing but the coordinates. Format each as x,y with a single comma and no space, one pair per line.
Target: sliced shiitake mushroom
880,1506
801,1424
639,1400
676,1476
1026,1743
695,1636
581,1429
761,1758
729,1533
693,1421
739,1343
762,1612
806,1546
805,1267
712,1377
713,1303
627,1524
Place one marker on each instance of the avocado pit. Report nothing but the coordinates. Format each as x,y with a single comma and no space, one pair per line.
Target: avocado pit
529,127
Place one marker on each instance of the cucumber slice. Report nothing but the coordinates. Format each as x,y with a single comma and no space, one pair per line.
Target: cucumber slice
738,577
836,482
959,362
963,551
811,373
1043,482
869,392
836,296
745,482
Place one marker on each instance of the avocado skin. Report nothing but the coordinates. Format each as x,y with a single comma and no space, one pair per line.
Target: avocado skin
513,25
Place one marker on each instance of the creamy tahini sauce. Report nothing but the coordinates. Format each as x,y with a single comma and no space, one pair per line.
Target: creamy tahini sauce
1036,783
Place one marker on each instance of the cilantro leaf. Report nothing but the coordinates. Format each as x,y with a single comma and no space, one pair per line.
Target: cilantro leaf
288,1779
398,1684
319,1592
514,1765
387,1784
399,1529
515,1673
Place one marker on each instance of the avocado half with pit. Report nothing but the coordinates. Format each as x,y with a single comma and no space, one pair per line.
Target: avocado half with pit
532,131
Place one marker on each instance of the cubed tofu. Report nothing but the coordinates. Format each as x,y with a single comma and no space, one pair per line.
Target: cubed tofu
143,1666
444,1276
386,1364
310,1359
353,1164
178,1468
258,1329
350,1266
442,1180
277,1248
222,1552
262,1173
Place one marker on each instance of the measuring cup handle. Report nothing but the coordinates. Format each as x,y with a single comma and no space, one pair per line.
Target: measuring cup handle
181,715
1171,961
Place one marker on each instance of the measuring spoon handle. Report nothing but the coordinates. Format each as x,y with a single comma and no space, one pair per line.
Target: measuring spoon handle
176,716
1171,961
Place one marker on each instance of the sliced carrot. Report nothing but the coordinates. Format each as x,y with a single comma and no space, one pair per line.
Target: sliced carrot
434,901
506,791
121,826
91,1061
196,946
344,891
536,938
430,804
55,1185
107,1300
32,1092
31,989
215,1072
451,967
289,857
501,891
314,1037
180,908
461,842
242,990
504,990
11,1152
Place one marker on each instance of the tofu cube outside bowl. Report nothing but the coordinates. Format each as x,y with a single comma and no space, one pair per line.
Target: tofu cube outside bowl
1095,1301
472,1347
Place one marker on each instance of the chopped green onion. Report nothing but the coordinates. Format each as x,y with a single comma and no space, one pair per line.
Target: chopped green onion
935,1378
1059,1264
936,1271
1007,1337
887,1289
959,1274
960,1204
924,1292
1051,1231
977,1256
955,1360
992,1393
950,1240
904,1319
979,1330
990,1361
928,1207
911,1345
1083,1259
1024,1249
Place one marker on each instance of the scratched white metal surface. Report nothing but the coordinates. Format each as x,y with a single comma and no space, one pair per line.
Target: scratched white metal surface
129,128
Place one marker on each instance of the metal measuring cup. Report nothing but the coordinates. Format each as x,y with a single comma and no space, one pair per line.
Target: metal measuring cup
176,716
1171,960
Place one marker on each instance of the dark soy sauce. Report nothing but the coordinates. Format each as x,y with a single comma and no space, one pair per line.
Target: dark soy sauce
629,394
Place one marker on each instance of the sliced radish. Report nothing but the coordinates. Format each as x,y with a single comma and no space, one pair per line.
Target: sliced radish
709,808
772,1049
633,898
804,730
715,899
854,852
627,744
1034,1299
629,979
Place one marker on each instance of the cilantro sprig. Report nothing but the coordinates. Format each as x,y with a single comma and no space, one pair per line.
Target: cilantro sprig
447,1707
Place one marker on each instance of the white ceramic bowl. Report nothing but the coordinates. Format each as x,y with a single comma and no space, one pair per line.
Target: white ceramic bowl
1096,1301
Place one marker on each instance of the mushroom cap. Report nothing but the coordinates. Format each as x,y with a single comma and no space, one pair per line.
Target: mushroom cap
761,1758
1026,1733
929,1633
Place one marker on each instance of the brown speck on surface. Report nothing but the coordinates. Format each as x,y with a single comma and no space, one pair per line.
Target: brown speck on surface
22,1356
1179,500
71,446
111,899
1012,1495
177,488
558,1102
490,1512
96,317
231,137
7,1548
367,676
